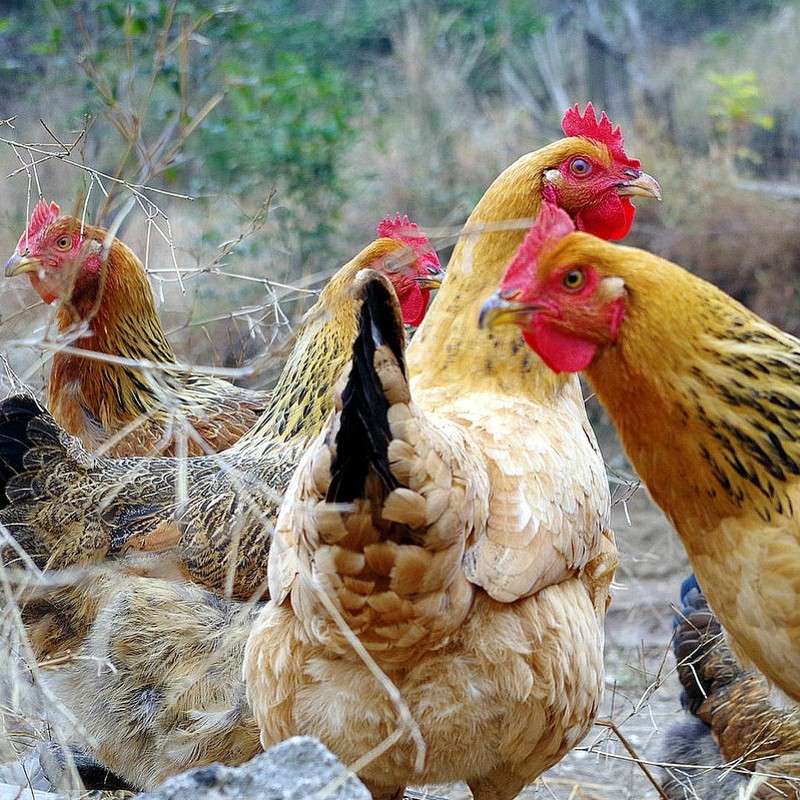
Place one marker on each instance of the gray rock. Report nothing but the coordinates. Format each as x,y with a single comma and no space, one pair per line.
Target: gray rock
297,769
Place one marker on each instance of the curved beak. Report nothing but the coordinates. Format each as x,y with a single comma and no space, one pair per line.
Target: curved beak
433,280
21,264
500,310
640,185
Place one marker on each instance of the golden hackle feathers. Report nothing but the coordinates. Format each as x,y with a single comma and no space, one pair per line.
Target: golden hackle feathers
97,389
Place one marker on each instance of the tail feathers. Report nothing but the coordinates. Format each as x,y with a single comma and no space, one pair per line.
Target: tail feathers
24,425
705,662
362,442
38,462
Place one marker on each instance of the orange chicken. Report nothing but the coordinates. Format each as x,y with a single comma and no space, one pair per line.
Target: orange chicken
705,396
455,521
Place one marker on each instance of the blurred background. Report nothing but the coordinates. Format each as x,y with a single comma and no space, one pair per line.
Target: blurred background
294,126
261,143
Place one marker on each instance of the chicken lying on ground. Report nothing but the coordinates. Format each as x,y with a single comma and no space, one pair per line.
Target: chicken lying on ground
734,707
106,307
207,518
532,422
458,525
705,396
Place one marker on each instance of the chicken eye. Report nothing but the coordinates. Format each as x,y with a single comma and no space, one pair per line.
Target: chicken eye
63,242
580,167
390,265
573,280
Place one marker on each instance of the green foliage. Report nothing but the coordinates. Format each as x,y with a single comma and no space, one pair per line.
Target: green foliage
734,107
211,97
736,101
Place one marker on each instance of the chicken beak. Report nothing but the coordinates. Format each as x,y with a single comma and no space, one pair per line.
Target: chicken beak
433,280
500,310
21,264
640,184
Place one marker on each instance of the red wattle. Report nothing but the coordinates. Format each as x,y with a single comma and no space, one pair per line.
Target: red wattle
611,220
41,289
561,351
414,305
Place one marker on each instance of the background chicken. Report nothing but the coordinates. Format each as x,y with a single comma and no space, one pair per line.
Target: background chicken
458,525
106,308
705,396
528,403
732,705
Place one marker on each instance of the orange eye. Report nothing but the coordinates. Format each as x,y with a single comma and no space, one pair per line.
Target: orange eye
64,242
573,280
580,167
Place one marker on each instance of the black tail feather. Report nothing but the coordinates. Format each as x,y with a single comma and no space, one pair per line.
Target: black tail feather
363,439
16,415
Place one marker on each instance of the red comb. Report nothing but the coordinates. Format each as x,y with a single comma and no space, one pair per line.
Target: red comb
43,213
408,232
601,130
404,230
551,226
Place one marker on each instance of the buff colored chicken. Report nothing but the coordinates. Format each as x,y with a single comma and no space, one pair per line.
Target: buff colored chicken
455,524
106,308
706,398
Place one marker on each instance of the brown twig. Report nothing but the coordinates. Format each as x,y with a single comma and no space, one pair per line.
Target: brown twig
607,723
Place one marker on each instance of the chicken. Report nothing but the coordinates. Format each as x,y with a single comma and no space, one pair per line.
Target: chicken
542,427
106,308
734,706
451,529
705,396
208,518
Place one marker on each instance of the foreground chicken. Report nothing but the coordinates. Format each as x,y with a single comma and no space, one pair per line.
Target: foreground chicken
530,424
706,398
456,524
207,518
735,707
